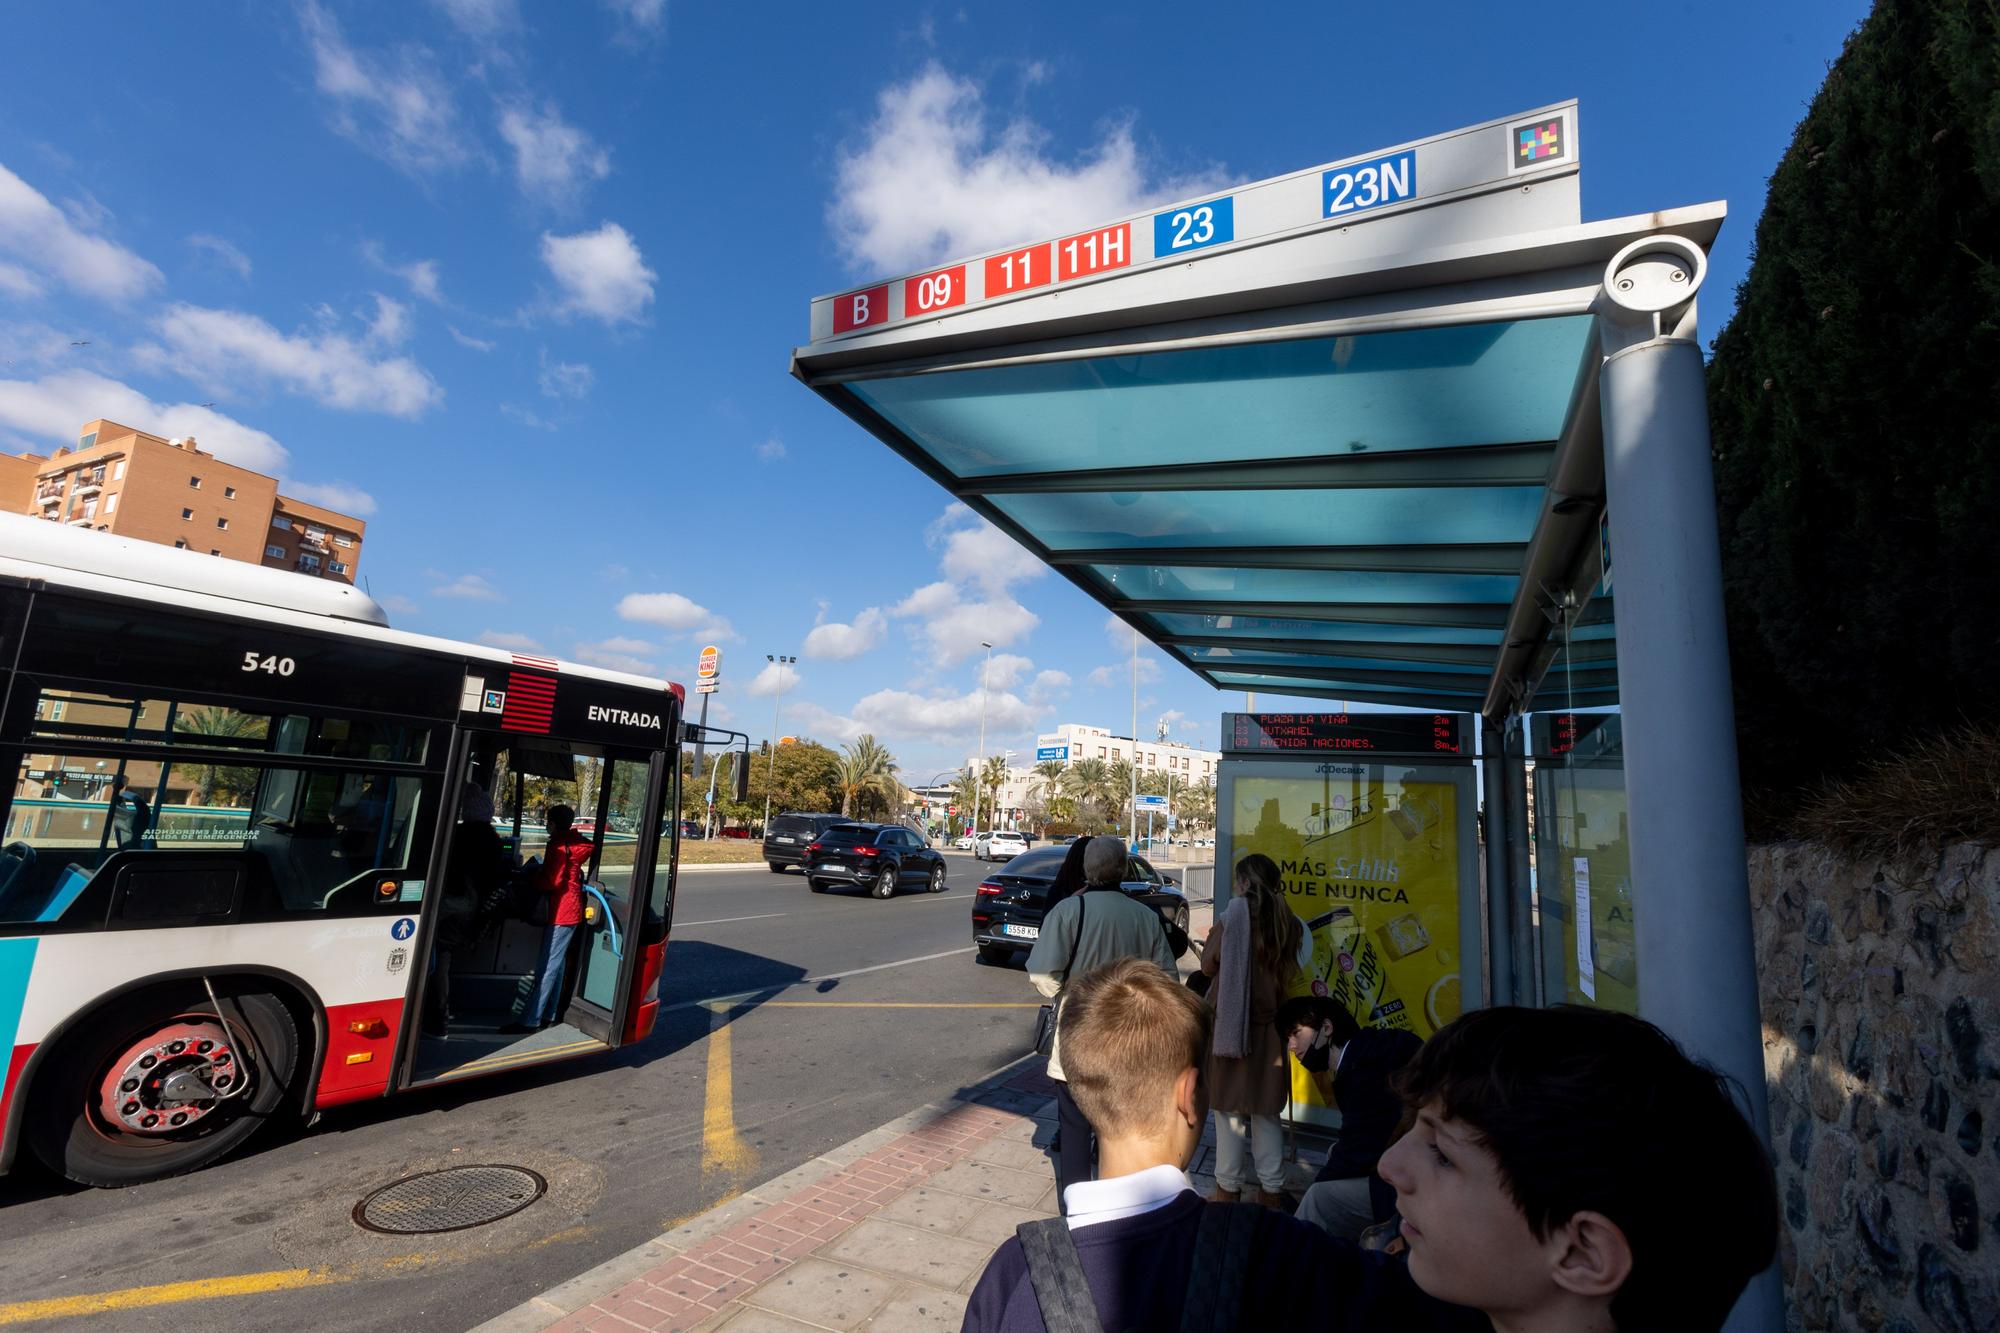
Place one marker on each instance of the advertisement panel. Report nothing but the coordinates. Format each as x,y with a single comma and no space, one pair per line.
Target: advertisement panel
1375,860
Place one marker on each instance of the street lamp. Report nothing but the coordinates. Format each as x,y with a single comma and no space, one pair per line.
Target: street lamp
1134,838
979,773
1170,783
772,782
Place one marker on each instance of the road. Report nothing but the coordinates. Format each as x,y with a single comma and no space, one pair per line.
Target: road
844,1034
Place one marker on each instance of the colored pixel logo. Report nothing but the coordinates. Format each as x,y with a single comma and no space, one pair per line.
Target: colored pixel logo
1539,142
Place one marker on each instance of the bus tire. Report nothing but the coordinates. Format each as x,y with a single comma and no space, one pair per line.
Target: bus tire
74,1130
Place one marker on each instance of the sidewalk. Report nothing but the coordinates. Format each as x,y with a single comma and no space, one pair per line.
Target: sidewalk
887,1233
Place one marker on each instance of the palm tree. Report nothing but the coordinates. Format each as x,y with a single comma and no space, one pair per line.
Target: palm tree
224,724
991,779
867,768
1089,782
965,795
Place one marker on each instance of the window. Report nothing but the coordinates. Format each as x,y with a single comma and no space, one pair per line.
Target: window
85,441
180,544
229,492
343,540
274,553
111,504
187,514
90,507
280,521
118,470
309,563
195,482
335,566
222,523
214,551
1100,752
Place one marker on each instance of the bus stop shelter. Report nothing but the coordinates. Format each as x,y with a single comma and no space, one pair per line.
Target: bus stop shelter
1371,432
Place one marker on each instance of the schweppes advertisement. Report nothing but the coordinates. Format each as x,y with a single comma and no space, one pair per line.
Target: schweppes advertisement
1370,861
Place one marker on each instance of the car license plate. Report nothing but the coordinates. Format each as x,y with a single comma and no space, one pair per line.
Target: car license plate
780,838
1022,932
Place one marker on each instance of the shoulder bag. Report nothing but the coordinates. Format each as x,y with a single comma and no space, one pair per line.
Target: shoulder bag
1045,1021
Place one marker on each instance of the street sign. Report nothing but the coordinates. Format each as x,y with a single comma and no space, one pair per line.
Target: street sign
1047,752
1149,802
1521,160
708,670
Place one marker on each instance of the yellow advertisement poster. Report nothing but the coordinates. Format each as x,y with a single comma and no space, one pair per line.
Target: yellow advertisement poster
1370,861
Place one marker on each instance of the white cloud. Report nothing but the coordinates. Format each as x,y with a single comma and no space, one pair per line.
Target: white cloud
619,654
835,642
471,587
334,495
51,408
1051,682
601,274
766,682
397,107
941,718
482,19
421,274
223,348
527,418
467,340
1004,669
513,643
953,624
17,282
554,161
929,600
51,243
639,19
802,717
771,450
223,252
1120,673
565,379
985,555
398,605
390,325
932,178
668,610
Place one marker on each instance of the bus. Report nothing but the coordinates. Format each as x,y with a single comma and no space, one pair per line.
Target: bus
260,852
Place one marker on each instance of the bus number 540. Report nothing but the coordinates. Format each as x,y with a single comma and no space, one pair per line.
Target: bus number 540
270,666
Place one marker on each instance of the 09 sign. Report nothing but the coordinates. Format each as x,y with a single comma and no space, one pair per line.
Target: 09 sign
928,293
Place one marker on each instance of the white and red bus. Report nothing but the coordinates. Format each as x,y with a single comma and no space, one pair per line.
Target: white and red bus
258,852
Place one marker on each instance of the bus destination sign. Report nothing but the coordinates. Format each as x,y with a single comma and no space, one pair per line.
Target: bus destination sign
1345,733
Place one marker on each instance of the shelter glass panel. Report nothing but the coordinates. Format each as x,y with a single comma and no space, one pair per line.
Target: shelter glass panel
1224,658
1405,516
1492,383
1174,583
1281,627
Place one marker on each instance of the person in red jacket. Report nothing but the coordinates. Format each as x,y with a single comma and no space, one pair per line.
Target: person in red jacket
564,863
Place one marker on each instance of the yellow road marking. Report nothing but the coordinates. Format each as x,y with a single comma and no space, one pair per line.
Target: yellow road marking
895,1004
169,1293
722,1149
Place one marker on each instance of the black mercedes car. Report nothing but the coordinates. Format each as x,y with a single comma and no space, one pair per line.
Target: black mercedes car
1007,909
881,858
785,841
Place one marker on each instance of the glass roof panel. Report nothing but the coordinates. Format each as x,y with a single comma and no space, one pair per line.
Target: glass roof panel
1408,516
1497,383
1276,627
1221,659
1174,583
1239,680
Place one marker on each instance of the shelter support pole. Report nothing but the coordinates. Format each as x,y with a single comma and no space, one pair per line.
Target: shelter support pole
1528,987
1498,865
1697,963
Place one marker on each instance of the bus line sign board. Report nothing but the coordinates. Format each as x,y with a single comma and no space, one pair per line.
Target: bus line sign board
1499,155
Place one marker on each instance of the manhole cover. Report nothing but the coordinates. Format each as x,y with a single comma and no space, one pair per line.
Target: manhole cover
449,1200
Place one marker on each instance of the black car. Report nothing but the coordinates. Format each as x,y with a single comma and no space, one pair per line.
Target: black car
1007,909
881,858
786,840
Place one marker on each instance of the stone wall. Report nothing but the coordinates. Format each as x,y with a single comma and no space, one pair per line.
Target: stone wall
1881,998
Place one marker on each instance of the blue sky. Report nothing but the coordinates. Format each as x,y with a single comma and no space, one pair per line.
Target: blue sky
519,280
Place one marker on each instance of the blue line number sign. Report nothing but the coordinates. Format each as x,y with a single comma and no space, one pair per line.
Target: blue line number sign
1194,227
1363,185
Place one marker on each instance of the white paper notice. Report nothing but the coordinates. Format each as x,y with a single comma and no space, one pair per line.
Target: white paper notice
1586,969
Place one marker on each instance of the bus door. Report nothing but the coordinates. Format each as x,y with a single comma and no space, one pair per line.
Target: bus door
623,795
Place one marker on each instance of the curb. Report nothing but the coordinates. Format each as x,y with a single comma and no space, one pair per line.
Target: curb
567,1298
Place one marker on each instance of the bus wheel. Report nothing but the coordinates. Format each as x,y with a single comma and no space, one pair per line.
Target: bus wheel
157,1085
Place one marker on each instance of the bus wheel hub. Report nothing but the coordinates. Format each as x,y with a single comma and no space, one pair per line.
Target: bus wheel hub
170,1080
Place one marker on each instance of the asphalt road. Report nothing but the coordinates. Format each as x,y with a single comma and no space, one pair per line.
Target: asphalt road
631,1141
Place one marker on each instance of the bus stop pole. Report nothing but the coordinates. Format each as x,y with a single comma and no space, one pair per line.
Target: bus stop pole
1501,963
1696,956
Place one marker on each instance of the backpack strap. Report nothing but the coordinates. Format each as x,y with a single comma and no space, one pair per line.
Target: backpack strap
1056,1273
1214,1302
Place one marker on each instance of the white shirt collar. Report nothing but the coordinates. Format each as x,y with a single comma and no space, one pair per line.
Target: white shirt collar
1094,1201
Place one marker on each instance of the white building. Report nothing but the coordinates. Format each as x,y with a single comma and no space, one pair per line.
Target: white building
1073,742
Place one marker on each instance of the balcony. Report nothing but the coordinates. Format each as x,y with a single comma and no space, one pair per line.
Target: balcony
49,493
311,543
89,483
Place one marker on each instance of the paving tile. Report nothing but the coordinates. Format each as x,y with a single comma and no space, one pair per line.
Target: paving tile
983,1180
1011,1152
749,1319
942,1261
920,1310
994,1223
832,1295
1049,1204
934,1210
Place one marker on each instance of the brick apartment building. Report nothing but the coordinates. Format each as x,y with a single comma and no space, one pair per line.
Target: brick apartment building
122,480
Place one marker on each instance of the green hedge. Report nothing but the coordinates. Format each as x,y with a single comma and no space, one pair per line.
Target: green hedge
1855,403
